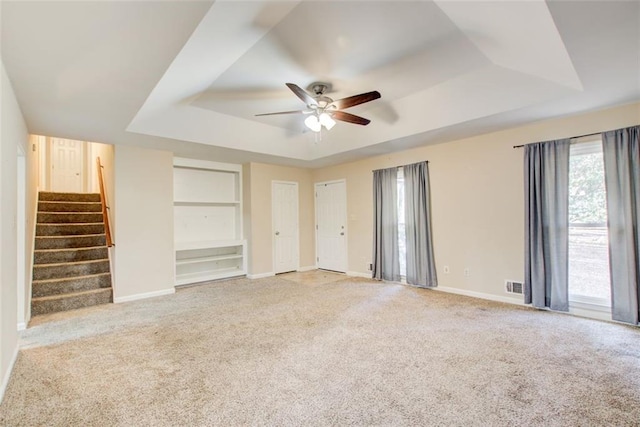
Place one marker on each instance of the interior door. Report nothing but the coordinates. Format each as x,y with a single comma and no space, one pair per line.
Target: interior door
285,226
66,165
331,226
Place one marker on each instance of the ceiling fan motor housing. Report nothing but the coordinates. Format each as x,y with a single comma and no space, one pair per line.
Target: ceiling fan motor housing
319,88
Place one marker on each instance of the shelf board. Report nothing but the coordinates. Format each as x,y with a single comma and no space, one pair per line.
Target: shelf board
207,244
207,259
208,203
181,162
203,276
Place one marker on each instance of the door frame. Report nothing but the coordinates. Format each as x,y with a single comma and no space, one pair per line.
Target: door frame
23,287
273,223
346,219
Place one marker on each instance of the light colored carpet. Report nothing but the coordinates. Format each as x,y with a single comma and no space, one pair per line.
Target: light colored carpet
305,350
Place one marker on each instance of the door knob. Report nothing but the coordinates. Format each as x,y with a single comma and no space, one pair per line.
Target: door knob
342,234
277,233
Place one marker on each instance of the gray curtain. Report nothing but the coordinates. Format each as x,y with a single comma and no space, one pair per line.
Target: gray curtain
621,152
546,167
386,264
421,268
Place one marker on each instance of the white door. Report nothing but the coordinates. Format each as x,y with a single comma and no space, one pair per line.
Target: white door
285,226
66,165
331,226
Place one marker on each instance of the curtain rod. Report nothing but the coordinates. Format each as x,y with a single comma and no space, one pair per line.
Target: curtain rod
398,167
573,137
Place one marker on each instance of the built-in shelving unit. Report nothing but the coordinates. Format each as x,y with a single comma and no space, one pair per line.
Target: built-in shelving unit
208,221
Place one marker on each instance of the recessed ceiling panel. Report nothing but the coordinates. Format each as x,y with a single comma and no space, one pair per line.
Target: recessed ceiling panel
397,48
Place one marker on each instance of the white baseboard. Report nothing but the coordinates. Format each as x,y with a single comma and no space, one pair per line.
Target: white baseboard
145,295
307,268
22,326
261,275
358,274
7,375
481,295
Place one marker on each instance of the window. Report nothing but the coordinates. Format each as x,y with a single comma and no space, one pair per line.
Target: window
589,280
401,196
402,236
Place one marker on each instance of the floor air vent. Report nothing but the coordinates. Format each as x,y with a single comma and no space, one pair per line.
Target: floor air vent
513,287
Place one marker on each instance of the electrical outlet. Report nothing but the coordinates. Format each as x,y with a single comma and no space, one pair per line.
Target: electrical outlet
445,269
370,267
466,272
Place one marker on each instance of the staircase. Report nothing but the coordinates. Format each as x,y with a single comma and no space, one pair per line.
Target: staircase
71,261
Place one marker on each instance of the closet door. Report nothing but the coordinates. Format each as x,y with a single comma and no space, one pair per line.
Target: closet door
331,226
285,226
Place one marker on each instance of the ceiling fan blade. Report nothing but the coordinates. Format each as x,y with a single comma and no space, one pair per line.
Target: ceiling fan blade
302,94
350,118
286,112
354,100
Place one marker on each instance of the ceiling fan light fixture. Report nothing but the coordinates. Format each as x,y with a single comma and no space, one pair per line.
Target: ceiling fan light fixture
313,123
324,111
326,121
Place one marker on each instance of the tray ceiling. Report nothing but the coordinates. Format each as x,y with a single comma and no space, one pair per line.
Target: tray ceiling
194,74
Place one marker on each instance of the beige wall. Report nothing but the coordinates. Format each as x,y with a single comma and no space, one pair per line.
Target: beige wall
476,197
13,133
259,232
143,221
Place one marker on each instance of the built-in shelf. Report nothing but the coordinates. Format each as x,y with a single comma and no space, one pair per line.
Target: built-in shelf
207,259
208,221
204,203
205,276
204,244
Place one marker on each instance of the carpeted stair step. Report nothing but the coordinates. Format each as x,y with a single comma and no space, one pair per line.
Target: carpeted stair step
68,218
69,229
53,256
68,197
69,207
45,288
69,269
55,303
61,242
71,260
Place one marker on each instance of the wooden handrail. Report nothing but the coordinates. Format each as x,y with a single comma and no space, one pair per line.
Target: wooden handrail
103,199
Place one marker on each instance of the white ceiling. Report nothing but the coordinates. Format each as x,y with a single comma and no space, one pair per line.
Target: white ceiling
190,76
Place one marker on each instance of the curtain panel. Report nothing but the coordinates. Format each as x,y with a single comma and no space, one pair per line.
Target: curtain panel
386,264
546,167
421,268
621,152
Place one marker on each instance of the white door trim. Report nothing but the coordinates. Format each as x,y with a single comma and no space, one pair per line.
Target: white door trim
273,224
346,222
23,290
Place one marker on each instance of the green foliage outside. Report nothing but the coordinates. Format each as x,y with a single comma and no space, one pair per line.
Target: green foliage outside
587,203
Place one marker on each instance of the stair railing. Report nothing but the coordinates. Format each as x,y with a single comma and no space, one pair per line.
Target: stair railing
105,207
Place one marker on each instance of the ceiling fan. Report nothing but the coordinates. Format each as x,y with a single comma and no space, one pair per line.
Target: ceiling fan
324,111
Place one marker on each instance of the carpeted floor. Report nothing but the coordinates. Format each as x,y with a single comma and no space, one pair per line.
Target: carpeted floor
322,349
